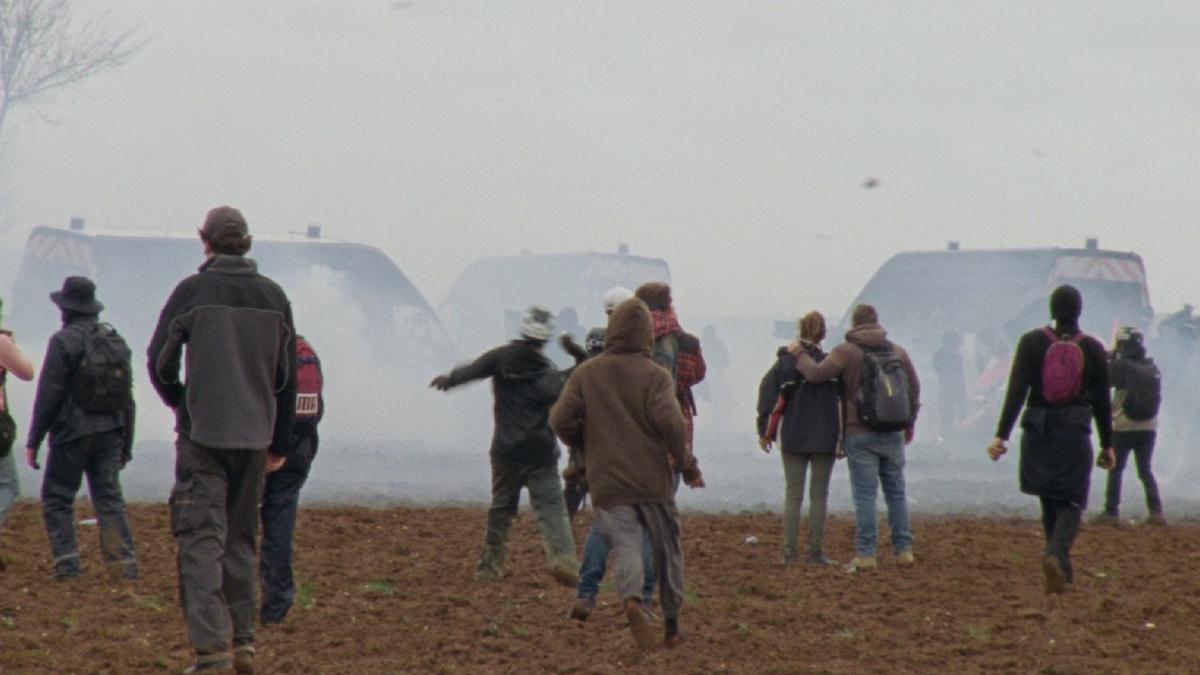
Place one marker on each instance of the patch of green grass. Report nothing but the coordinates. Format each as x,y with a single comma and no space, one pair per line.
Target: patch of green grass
152,602
382,587
690,595
306,595
8,622
982,633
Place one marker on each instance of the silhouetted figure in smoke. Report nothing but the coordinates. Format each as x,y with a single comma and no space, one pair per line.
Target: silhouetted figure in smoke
952,390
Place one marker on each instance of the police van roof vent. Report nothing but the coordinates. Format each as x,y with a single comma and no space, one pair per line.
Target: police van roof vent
313,232
1092,244
952,246
623,249
76,224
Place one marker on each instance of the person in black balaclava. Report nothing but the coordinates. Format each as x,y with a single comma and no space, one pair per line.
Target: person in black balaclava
1056,451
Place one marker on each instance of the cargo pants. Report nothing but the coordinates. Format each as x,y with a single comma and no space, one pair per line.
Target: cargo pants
214,517
546,497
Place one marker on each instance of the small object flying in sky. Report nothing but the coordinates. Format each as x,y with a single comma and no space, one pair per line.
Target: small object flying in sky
870,182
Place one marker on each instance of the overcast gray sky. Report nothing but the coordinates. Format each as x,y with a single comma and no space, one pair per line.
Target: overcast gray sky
730,138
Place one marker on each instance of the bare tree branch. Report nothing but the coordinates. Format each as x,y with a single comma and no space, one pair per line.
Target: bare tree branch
42,50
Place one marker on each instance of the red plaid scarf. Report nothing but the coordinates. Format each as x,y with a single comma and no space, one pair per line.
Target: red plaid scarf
665,322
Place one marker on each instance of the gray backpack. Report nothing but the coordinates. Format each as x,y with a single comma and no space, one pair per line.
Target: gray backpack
884,396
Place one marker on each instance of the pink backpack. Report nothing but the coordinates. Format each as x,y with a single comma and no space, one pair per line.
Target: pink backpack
1062,369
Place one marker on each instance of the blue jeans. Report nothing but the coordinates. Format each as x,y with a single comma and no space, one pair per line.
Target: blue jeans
595,560
281,497
875,458
10,487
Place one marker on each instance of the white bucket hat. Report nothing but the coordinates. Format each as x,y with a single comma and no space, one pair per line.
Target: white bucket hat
538,324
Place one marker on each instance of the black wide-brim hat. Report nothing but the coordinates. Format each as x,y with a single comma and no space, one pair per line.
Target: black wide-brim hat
78,294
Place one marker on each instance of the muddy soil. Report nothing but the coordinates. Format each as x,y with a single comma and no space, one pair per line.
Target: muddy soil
391,590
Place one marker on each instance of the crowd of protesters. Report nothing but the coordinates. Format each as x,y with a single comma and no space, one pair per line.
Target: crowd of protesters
247,401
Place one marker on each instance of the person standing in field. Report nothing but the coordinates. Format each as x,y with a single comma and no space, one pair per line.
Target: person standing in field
882,396
1060,377
85,404
623,410
281,493
806,419
233,410
1137,395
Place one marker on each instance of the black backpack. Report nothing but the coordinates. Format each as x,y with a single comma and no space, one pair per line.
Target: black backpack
103,381
884,396
1143,390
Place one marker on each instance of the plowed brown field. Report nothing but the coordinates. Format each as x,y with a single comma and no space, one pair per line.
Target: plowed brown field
391,590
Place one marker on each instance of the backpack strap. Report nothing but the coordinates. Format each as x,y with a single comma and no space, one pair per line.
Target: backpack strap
1077,338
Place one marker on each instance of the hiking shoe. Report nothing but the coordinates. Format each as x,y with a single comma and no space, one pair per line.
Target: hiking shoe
905,559
565,572
820,560
673,640
582,609
639,625
789,560
861,564
243,659
1107,519
211,663
1056,581
1156,519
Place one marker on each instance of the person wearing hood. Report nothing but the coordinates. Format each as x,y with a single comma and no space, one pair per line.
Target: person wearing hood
1056,448
875,456
1137,394
595,550
806,419
575,474
15,362
622,408
524,453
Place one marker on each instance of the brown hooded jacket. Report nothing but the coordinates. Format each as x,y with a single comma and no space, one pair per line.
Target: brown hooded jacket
621,408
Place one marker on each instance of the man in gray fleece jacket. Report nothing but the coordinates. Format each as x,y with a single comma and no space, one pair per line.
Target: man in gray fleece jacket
234,413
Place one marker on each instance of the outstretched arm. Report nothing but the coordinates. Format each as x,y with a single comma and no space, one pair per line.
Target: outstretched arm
824,371
479,369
